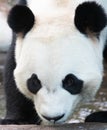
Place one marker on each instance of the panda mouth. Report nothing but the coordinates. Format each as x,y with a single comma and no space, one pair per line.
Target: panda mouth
54,119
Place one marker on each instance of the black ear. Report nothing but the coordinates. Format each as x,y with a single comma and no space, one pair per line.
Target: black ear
90,17
21,19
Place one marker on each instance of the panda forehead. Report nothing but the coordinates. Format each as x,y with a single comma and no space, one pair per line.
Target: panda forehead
55,2
48,7
62,2
52,18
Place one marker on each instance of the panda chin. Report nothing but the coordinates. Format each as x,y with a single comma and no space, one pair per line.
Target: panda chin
52,122
62,121
44,122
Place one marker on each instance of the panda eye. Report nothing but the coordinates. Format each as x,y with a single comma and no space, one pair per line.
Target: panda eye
69,81
72,84
34,84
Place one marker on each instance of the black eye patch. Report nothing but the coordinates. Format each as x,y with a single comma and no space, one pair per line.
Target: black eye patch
72,84
34,84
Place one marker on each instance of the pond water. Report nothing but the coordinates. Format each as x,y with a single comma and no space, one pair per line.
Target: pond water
97,104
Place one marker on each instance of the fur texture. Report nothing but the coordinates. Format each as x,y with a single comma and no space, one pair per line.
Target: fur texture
90,16
52,49
97,117
21,19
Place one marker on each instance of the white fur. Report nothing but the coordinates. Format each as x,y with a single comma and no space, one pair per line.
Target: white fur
53,49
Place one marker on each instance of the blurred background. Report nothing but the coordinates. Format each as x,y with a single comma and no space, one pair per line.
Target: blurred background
5,41
5,32
99,103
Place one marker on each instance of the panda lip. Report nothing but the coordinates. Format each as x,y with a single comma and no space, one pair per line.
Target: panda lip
54,119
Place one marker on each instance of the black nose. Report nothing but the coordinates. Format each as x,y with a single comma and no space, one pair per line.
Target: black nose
54,118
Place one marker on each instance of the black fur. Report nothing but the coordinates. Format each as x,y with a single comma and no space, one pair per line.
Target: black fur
22,2
89,16
97,117
34,84
19,109
72,84
105,52
21,19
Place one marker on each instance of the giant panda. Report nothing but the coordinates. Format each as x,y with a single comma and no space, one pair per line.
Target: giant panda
55,61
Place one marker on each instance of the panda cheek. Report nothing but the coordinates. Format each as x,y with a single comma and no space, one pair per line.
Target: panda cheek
34,84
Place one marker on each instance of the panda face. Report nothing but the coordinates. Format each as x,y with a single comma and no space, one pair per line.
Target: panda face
57,75
58,64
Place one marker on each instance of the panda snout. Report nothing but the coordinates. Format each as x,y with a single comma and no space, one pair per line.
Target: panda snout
53,119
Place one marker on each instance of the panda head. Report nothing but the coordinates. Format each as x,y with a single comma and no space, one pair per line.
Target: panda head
58,54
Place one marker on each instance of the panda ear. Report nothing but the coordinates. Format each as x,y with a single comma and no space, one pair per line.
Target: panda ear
90,17
21,19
